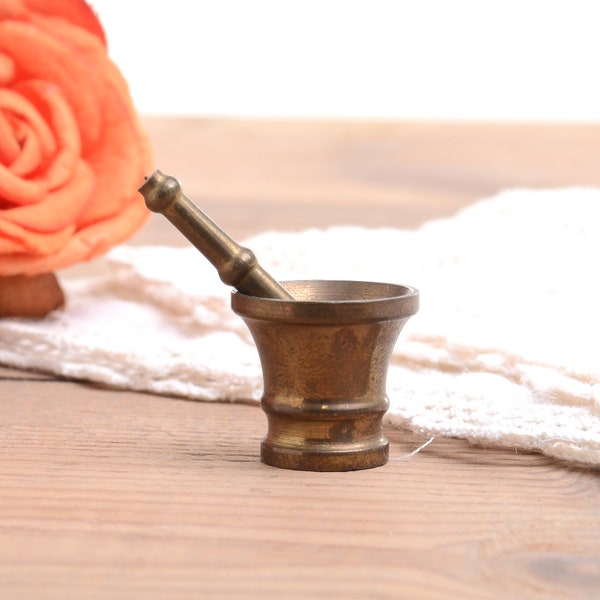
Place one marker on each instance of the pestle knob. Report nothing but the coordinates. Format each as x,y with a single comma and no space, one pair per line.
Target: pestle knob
237,266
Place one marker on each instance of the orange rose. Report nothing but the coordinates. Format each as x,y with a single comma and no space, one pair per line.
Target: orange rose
72,153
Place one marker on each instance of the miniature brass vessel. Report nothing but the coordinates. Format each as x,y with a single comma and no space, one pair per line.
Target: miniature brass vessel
325,358
324,346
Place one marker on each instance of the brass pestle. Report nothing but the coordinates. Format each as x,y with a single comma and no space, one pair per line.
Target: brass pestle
324,348
237,266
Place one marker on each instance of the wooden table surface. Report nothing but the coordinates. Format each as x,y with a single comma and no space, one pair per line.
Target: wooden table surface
111,494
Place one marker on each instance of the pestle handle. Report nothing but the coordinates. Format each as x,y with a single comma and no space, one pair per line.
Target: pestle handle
237,266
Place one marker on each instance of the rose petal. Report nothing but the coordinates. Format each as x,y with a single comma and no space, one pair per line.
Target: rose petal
37,243
60,207
51,104
117,166
95,53
110,232
7,69
31,155
23,110
77,12
8,246
9,145
74,251
41,55
20,191
84,245
13,9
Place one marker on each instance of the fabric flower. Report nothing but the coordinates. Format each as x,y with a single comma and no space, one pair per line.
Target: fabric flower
72,153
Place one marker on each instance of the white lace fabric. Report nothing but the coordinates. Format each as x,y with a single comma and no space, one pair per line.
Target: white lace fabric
505,349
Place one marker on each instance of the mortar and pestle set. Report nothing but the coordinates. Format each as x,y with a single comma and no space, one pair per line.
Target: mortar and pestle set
324,346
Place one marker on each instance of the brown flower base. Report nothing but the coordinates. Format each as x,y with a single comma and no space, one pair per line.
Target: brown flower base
34,297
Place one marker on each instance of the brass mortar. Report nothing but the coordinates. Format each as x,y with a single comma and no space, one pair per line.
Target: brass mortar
324,359
324,346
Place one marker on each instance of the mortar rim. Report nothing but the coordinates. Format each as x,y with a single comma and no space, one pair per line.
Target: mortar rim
400,302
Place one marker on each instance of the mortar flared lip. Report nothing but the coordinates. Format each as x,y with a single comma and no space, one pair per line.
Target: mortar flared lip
371,301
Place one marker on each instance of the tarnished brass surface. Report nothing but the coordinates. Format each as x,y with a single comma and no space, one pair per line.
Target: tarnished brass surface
324,346
237,266
325,358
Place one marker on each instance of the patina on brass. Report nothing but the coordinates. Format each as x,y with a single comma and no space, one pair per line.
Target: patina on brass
325,358
237,266
324,346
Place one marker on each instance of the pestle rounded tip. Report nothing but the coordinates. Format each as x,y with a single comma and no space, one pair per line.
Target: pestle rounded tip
160,191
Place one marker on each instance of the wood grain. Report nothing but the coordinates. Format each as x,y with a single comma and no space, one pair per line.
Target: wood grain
259,175
112,494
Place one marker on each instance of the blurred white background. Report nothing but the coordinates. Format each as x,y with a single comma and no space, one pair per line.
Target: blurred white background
533,60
